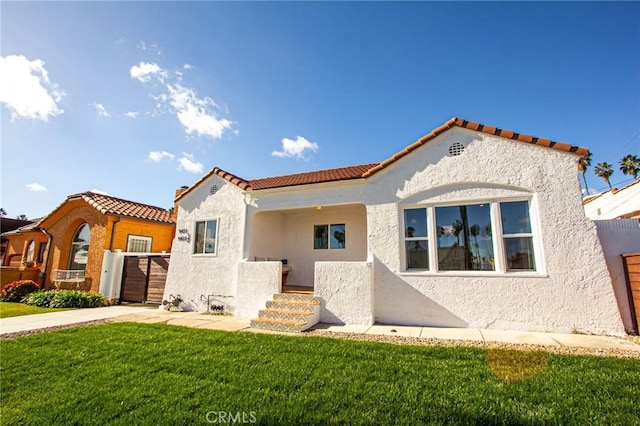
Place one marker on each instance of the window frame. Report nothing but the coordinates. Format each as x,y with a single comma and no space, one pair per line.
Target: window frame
195,239
498,240
329,225
148,240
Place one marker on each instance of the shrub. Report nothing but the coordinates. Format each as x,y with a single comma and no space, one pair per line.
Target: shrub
40,298
17,290
65,299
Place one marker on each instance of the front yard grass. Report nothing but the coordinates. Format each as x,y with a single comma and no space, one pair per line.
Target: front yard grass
11,309
125,373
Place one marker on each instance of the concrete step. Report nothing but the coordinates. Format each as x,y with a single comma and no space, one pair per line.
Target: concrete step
297,298
292,313
279,325
285,315
291,306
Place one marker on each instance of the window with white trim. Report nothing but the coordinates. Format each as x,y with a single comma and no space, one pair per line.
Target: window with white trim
206,237
416,240
517,235
330,237
463,237
138,244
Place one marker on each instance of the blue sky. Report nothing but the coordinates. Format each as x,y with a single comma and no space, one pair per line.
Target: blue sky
137,99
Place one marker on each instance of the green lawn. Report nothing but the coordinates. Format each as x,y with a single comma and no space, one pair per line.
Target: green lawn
9,309
129,374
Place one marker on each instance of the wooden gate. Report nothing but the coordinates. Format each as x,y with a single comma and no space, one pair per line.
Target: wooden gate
631,263
144,278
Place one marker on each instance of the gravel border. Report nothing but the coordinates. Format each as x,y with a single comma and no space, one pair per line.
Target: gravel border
415,341
401,340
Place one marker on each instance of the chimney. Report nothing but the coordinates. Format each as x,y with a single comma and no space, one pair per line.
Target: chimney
179,191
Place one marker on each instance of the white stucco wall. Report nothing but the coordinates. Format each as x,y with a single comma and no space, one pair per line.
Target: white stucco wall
298,239
571,289
615,203
257,283
194,277
346,292
619,236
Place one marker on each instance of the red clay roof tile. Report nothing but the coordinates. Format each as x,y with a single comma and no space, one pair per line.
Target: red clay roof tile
366,170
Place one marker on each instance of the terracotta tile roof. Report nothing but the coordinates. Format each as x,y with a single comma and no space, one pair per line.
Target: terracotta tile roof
471,125
109,205
366,170
320,176
119,207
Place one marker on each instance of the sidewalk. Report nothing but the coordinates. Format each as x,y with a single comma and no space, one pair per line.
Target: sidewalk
151,315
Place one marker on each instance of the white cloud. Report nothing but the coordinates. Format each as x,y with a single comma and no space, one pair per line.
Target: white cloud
156,156
195,114
188,67
36,187
100,109
132,114
25,88
144,71
189,163
295,148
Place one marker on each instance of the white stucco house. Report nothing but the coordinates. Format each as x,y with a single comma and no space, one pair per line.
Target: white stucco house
615,203
469,226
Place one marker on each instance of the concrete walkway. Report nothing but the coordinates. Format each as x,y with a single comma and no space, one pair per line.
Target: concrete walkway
151,315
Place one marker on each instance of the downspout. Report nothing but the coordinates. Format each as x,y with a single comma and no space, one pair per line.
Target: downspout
46,259
113,231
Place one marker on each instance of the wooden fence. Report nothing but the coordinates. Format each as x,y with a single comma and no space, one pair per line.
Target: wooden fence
631,263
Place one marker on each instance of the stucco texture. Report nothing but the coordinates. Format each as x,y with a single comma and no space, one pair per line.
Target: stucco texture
570,290
63,223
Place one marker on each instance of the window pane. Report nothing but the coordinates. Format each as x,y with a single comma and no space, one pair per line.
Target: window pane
210,242
515,217
31,249
338,236
417,254
464,238
79,256
199,247
415,222
520,254
320,237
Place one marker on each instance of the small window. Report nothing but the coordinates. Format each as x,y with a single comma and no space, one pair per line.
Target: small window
206,237
41,250
332,237
138,244
518,238
415,238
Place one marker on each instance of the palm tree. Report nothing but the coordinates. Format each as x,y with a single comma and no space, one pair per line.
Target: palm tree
583,164
3,212
630,165
604,170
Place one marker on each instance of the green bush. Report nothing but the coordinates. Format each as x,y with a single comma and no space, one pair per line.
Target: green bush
65,299
17,290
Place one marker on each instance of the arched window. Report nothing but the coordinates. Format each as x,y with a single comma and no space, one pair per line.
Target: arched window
79,248
31,248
